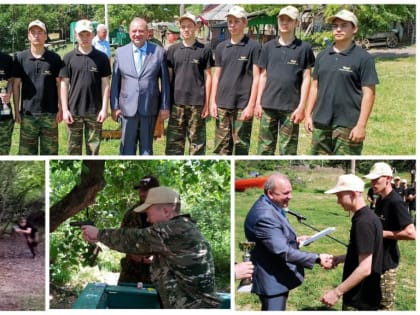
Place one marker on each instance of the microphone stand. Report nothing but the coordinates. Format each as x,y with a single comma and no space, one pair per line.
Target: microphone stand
300,219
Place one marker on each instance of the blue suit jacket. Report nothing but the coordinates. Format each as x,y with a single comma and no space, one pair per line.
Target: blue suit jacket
133,93
279,264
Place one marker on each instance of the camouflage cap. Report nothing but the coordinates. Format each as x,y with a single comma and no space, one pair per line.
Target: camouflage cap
172,28
147,182
159,195
237,12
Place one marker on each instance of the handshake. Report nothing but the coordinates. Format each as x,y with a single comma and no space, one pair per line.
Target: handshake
328,261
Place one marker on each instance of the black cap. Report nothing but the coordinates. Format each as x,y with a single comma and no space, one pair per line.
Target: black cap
147,182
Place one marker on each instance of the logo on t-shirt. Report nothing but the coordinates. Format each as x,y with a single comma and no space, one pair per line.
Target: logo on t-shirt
292,62
346,69
243,58
196,61
93,69
46,72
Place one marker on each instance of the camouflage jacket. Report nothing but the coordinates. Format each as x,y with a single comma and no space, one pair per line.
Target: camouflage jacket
182,270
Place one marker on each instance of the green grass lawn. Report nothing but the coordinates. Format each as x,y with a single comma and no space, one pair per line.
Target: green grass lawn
321,211
391,129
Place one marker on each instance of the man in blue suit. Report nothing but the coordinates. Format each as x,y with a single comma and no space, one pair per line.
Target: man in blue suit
137,98
279,264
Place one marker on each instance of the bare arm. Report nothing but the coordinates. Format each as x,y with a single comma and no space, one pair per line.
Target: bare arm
358,133
362,271
299,113
248,111
64,96
310,106
59,116
17,83
407,234
208,82
105,97
214,85
261,86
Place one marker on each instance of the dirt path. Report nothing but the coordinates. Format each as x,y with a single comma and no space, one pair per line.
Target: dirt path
22,278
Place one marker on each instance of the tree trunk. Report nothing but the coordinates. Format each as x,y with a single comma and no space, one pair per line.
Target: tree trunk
82,195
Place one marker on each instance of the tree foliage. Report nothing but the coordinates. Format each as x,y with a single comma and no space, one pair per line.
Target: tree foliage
204,186
14,19
22,183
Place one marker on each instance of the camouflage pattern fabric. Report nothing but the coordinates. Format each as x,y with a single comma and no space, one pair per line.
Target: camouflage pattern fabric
134,271
182,269
349,308
90,128
6,131
334,141
273,123
388,289
186,121
38,131
233,136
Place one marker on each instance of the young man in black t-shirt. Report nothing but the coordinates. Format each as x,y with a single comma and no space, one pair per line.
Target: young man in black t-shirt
189,64
31,234
342,92
363,261
36,94
397,225
283,89
6,116
85,92
234,87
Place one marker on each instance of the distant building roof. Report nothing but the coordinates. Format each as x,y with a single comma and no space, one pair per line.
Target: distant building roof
217,13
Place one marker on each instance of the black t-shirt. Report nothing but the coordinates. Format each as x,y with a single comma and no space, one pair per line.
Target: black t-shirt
285,66
6,65
400,191
365,238
341,77
29,226
411,204
39,85
394,216
189,65
236,62
85,73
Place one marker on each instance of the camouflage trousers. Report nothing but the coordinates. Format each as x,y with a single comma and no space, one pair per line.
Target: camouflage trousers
388,289
334,140
186,122
6,131
134,272
349,308
38,133
233,136
91,129
276,124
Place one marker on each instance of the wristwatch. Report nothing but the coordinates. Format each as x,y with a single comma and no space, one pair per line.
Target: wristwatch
318,259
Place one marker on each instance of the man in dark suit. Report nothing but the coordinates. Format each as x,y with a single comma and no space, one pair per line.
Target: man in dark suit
137,98
279,264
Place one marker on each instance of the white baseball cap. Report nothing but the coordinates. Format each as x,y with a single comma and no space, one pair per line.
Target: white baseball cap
187,16
237,12
344,15
38,23
379,169
348,182
159,195
290,11
84,26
